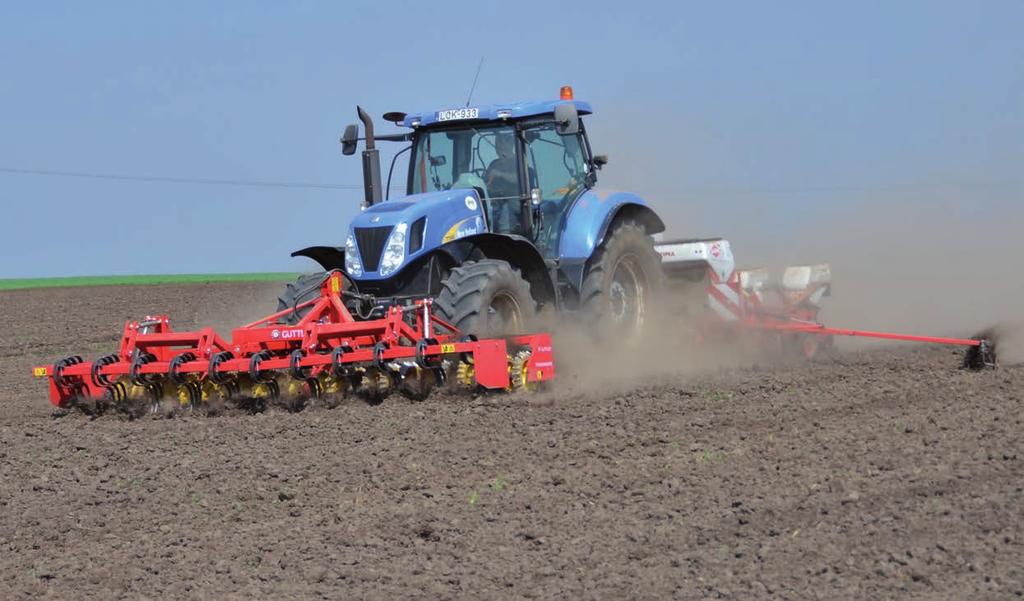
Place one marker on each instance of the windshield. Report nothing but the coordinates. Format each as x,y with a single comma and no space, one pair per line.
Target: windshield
467,157
485,158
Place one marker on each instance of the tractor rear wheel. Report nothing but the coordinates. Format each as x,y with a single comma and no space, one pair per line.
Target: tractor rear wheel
486,298
622,282
305,288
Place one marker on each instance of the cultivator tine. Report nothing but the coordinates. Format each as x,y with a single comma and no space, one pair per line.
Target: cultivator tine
98,379
58,371
213,373
418,382
375,385
173,371
326,357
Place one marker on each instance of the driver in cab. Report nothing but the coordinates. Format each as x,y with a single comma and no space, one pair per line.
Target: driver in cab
502,178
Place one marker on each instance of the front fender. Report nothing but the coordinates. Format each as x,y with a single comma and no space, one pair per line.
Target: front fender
592,216
520,252
329,257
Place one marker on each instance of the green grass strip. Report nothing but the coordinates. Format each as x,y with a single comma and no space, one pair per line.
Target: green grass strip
136,280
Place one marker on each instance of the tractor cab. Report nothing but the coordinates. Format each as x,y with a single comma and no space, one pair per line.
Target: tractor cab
527,171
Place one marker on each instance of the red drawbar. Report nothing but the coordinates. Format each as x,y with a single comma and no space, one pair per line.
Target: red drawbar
793,314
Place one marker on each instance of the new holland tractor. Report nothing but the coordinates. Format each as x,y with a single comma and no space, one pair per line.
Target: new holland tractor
502,218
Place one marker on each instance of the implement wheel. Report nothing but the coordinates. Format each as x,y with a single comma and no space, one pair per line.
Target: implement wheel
621,284
486,298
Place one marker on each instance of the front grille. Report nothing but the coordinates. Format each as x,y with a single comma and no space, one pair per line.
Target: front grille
371,241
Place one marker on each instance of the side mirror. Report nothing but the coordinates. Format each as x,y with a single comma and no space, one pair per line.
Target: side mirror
349,140
567,120
600,160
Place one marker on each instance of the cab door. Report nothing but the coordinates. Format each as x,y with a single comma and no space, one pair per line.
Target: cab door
557,166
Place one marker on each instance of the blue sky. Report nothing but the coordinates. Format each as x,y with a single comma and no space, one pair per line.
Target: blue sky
734,118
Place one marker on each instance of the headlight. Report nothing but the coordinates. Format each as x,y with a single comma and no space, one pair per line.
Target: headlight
394,252
352,265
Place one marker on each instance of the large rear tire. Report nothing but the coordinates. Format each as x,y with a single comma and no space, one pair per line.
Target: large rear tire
305,288
486,298
622,284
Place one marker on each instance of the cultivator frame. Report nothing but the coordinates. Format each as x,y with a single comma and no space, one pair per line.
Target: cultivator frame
327,354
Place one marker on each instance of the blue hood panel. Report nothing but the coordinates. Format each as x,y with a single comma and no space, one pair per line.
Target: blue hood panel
448,214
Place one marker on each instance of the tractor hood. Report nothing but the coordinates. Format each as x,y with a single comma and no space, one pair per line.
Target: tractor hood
387,236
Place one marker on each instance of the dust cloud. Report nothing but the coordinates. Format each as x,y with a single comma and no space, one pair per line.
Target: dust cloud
250,302
945,266
939,266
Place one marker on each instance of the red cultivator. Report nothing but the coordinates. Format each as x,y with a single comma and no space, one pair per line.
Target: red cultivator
325,356
782,316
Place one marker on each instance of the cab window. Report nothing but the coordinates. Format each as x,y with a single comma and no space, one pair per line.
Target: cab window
558,167
558,161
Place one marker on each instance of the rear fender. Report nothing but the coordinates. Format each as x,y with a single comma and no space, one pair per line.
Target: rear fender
590,220
640,213
592,217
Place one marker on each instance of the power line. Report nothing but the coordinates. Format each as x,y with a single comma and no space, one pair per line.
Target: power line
706,189
728,190
180,180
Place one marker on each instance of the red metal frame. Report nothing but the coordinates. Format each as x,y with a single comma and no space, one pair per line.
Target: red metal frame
326,326
795,315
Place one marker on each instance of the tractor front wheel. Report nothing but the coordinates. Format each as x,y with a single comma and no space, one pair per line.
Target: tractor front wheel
486,298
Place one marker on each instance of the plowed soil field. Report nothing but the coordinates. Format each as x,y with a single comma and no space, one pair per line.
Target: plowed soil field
877,474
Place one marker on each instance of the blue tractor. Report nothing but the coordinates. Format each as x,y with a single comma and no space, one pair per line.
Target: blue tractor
501,219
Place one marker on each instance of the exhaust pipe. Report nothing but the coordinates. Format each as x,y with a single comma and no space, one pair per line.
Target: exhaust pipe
371,162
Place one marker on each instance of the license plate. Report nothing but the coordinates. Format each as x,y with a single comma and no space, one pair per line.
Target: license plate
456,114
